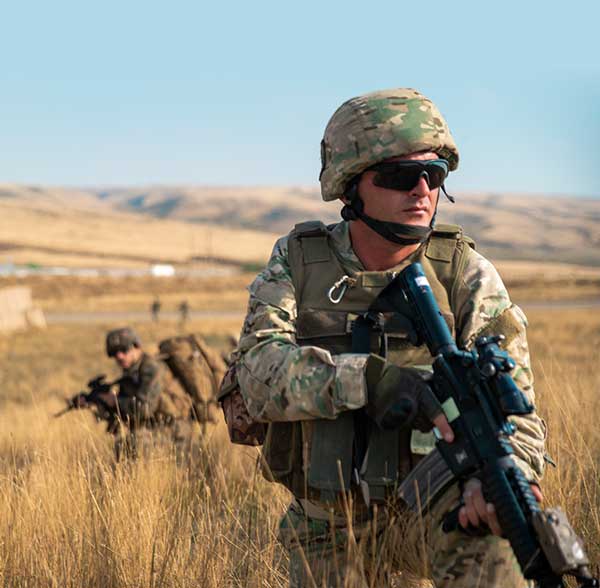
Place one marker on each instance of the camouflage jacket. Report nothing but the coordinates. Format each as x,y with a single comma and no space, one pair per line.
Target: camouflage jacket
282,381
140,389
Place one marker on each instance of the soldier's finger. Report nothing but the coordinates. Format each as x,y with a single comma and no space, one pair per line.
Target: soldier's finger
470,509
479,501
492,520
537,492
462,517
441,422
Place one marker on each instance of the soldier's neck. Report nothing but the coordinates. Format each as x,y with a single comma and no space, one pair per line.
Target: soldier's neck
375,252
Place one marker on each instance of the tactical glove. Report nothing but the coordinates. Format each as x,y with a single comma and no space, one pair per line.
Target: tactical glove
399,397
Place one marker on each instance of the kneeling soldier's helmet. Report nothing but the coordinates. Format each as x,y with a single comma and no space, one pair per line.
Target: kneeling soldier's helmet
372,128
121,340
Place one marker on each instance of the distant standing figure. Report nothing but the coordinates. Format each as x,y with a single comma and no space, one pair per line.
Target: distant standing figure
155,309
184,312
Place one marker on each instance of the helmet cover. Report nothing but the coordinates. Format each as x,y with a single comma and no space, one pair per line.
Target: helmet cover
374,127
120,339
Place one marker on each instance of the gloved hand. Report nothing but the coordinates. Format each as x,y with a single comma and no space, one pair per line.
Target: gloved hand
400,397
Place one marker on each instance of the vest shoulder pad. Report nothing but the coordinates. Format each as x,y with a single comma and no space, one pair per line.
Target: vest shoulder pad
311,228
455,232
314,237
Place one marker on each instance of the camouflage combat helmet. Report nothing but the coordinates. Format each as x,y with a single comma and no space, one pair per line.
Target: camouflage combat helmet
121,340
369,129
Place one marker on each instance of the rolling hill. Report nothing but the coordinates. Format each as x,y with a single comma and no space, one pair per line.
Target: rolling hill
176,224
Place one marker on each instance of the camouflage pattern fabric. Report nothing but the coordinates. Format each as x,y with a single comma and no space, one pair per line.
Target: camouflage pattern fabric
371,128
139,390
394,549
149,394
282,381
151,405
242,428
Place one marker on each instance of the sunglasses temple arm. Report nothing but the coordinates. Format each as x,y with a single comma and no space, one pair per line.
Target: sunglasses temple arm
451,198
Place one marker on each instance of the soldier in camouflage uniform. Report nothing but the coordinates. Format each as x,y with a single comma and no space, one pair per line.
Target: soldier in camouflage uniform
385,155
148,397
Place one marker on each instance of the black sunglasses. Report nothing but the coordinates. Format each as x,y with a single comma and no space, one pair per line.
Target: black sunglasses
405,175
120,348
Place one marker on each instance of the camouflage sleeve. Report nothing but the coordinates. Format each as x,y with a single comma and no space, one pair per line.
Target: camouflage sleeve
483,307
280,380
148,391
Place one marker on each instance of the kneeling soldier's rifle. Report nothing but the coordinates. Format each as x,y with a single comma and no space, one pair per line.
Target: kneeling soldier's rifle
96,386
477,394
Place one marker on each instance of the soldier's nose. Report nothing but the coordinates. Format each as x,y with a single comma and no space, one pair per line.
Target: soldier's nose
422,186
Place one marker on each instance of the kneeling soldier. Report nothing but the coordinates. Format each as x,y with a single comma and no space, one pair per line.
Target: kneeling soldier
148,397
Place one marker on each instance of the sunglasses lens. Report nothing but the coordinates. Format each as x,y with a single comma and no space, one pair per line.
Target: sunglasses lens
115,350
404,175
400,178
437,174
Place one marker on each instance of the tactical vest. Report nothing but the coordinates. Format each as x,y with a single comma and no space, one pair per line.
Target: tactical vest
313,459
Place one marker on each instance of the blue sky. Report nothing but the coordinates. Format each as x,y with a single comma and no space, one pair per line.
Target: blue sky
239,93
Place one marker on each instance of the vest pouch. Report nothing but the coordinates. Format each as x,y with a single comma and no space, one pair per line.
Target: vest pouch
242,428
331,455
383,457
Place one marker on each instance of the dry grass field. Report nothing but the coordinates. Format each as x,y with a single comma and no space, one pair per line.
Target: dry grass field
228,293
82,294
72,518
526,281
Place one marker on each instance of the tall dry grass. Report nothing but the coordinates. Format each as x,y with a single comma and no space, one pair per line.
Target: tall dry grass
70,517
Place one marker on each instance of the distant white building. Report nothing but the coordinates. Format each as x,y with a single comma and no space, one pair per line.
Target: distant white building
162,270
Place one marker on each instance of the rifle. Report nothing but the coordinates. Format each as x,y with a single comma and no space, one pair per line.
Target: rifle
96,386
477,394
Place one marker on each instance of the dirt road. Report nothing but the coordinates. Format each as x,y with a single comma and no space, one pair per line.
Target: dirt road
55,318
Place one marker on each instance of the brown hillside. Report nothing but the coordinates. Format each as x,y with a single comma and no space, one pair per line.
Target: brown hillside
176,223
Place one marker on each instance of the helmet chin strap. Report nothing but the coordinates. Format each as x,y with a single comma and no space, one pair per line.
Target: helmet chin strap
398,233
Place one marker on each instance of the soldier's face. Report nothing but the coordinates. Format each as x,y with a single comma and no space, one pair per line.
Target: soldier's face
125,359
411,207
